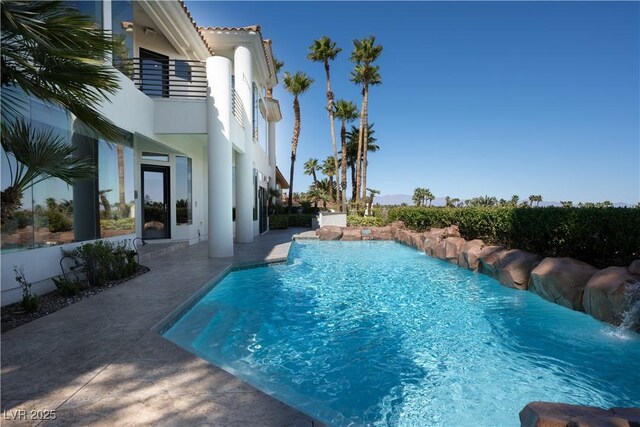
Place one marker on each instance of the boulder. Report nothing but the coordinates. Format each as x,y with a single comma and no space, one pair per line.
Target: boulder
452,247
417,241
515,268
439,249
451,231
489,260
468,255
548,414
329,232
631,414
604,294
430,243
351,234
634,267
598,421
561,280
403,236
395,227
381,233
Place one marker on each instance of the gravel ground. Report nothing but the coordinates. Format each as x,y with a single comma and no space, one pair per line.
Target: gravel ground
13,315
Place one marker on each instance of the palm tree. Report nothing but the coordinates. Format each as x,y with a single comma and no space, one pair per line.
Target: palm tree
51,52
372,194
514,200
325,50
347,112
535,198
428,195
296,84
40,155
353,136
451,202
324,190
277,65
310,168
329,170
365,52
418,196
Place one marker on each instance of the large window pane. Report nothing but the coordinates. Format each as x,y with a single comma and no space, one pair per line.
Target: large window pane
115,189
184,211
122,16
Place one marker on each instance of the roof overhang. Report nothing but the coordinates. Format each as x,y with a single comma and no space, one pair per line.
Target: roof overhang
280,180
270,109
226,39
174,21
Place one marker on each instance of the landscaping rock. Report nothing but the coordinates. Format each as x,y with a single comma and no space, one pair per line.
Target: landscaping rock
489,260
439,249
395,227
329,232
430,243
403,236
548,414
634,268
561,280
468,256
598,421
604,294
351,234
515,268
381,233
630,414
451,231
452,247
417,241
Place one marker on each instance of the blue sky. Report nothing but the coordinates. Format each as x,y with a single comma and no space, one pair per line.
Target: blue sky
495,98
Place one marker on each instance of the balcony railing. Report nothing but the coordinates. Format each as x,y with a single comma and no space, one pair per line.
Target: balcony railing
166,78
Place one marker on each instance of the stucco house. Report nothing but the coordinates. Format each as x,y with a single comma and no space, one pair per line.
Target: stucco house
196,157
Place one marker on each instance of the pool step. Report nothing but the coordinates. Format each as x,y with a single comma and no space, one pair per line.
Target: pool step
154,250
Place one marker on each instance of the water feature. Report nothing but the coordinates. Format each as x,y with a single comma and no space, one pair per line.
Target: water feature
375,333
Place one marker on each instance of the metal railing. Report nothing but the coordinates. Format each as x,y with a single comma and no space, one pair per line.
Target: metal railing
166,78
237,107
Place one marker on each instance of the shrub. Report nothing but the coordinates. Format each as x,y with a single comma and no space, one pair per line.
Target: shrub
598,236
365,221
66,287
29,301
278,222
104,261
300,220
117,224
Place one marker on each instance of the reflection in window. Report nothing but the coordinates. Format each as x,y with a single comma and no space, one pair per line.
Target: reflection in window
255,194
53,213
184,212
183,69
91,8
122,18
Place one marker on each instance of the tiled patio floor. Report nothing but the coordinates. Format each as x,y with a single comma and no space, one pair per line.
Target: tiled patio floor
100,361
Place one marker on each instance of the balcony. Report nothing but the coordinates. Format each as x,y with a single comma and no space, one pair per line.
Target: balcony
166,78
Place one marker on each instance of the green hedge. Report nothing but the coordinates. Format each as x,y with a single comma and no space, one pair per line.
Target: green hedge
282,221
599,236
365,221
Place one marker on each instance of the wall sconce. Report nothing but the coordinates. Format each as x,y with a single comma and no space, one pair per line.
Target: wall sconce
149,32
127,26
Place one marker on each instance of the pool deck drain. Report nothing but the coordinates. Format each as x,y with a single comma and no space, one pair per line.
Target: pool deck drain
102,362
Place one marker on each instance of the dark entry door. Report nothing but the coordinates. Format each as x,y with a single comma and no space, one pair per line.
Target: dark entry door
155,202
262,203
154,73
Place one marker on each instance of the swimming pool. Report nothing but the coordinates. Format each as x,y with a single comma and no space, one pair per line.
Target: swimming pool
376,333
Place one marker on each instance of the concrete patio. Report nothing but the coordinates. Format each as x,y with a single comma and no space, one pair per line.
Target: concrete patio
102,362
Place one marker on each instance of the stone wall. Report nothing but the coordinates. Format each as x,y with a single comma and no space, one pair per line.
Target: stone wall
565,281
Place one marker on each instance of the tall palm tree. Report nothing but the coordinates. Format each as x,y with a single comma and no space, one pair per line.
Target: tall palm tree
365,52
347,112
353,138
372,194
296,84
328,168
310,168
51,52
324,50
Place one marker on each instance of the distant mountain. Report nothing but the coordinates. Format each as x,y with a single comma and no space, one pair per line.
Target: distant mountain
393,199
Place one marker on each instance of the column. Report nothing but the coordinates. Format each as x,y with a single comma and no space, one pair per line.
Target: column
244,161
219,157
271,140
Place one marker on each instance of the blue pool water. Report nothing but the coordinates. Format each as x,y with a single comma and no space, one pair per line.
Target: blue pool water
375,333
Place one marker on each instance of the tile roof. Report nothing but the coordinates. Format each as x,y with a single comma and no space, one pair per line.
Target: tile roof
193,22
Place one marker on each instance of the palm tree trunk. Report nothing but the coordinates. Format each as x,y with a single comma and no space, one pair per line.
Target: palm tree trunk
343,182
353,183
361,143
11,202
122,201
365,139
315,179
331,123
294,147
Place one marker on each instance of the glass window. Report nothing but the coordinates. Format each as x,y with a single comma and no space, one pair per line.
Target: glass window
122,16
255,194
91,8
158,157
183,69
256,110
184,211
